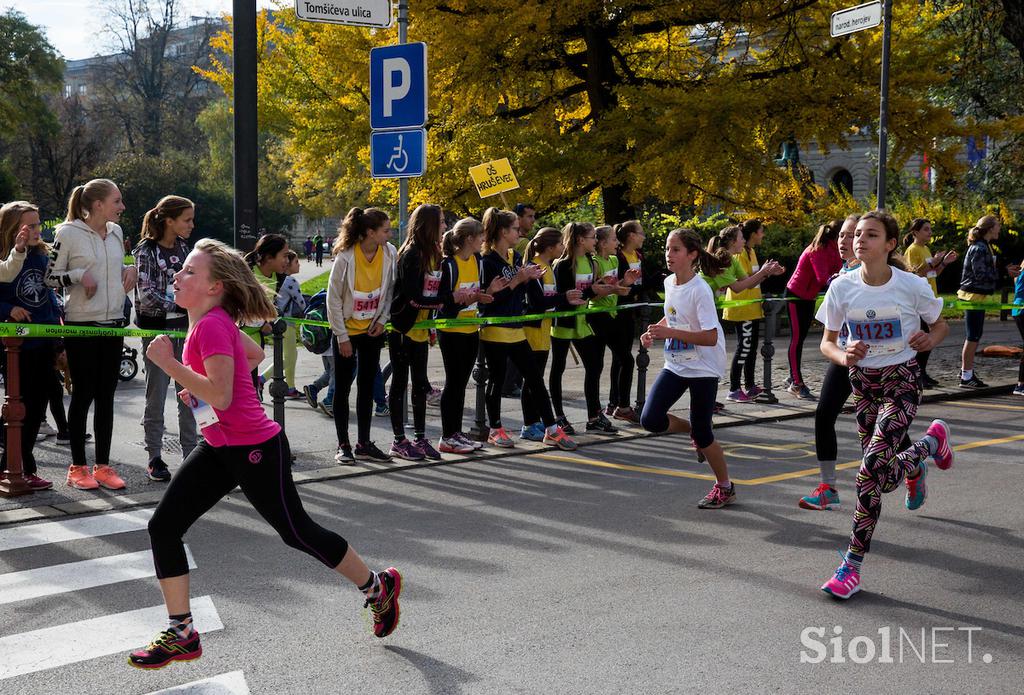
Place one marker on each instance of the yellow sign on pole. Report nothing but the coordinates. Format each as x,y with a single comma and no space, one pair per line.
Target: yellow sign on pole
492,178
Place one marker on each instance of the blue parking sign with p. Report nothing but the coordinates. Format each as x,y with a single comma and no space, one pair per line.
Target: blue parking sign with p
398,86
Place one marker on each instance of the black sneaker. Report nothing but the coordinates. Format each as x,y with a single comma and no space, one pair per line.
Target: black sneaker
928,382
344,455
385,607
310,396
566,426
65,437
601,425
368,451
973,383
157,470
168,647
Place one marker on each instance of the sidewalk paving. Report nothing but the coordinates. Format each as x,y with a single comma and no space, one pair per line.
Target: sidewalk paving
313,440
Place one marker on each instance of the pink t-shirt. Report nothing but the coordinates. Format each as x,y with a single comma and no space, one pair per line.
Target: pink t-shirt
243,423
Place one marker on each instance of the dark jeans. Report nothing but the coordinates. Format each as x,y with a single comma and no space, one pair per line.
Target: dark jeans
95,363
365,354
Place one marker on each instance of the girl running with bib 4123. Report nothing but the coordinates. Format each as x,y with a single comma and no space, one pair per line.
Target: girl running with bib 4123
694,355
242,447
881,307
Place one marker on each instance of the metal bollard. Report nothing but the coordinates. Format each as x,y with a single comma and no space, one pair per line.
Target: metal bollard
278,387
479,430
1004,314
768,350
12,481
643,361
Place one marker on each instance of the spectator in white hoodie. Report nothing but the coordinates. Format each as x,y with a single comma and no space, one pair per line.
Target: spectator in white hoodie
87,264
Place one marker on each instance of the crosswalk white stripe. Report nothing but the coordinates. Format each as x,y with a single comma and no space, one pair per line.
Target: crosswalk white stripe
73,529
232,683
52,647
73,576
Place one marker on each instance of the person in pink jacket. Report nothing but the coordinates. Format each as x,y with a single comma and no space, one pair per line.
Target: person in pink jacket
817,264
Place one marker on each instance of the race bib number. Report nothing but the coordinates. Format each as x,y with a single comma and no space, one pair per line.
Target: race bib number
676,350
931,273
203,412
880,328
364,304
549,291
583,282
470,309
431,283
640,277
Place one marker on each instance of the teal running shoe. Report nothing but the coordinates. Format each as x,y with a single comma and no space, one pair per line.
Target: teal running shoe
916,489
823,497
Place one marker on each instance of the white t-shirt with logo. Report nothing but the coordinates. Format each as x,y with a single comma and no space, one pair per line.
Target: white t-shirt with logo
691,307
884,316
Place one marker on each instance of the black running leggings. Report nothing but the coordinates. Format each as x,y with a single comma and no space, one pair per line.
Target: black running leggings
365,353
407,356
531,411
264,473
56,398
459,353
95,363
922,357
745,359
623,362
591,352
521,356
801,311
605,327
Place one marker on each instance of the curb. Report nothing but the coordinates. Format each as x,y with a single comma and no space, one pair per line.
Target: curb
319,475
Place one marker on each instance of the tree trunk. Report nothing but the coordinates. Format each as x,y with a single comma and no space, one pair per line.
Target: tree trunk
617,207
1013,24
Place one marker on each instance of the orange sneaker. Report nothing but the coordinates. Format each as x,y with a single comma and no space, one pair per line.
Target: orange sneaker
561,440
106,477
80,478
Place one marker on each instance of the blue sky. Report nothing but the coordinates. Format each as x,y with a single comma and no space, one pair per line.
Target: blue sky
76,27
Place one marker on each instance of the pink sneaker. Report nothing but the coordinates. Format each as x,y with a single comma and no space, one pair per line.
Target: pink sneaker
844,583
943,455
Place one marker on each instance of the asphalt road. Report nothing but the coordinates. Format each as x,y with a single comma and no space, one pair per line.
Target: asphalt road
589,572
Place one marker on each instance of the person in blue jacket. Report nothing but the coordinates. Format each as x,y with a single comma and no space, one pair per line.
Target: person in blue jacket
25,298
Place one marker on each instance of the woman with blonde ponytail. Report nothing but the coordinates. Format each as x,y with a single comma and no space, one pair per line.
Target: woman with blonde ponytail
159,256
87,264
977,283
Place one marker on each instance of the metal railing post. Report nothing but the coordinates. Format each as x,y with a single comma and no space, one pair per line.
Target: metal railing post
768,349
278,387
479,430
12,481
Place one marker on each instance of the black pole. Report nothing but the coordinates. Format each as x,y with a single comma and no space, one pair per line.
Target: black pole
246,149
883,111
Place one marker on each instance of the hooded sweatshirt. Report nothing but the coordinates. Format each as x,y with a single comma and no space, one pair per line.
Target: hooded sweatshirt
77,249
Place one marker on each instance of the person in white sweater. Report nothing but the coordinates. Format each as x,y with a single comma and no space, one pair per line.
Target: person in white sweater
87,264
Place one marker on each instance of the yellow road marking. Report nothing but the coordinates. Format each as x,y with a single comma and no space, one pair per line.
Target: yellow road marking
991,406
749,481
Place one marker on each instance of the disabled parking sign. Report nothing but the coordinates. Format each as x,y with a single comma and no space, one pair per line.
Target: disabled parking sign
398,154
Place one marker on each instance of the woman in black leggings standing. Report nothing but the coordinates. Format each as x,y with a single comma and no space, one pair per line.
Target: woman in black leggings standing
87,263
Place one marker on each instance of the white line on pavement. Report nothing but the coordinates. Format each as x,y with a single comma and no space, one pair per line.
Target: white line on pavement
232,683
74,576
73,529
52,647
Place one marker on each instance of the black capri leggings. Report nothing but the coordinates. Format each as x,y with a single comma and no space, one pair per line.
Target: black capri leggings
591,352
458,352
835,390
95,363
668,388
365,353
263,471
521,356
623,362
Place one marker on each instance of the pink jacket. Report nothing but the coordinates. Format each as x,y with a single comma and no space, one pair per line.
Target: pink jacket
814,269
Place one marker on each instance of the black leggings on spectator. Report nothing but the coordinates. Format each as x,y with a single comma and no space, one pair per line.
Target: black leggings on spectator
531,411
95,363
56,398
922,357
264,473
745,359
801,312
521,356
623,362
365,352
591,352
407,356
459,353
605,327
33,362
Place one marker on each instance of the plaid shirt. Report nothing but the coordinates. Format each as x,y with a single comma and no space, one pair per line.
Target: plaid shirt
155,276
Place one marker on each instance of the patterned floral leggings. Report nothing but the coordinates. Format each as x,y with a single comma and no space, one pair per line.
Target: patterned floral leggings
886,401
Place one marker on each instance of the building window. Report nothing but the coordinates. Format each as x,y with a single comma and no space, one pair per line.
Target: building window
68,91
81,90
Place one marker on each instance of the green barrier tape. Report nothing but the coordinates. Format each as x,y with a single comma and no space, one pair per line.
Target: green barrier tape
45,330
